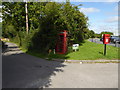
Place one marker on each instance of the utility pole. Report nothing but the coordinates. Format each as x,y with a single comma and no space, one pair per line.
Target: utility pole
26,10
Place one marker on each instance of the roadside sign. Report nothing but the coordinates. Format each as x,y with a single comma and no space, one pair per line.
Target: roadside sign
75,47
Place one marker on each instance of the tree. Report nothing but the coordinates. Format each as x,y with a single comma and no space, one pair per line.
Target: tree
97,35
0,29
46,20
92,34
13,20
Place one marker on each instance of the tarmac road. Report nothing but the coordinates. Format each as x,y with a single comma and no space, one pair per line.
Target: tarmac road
96,40
86,76
21,70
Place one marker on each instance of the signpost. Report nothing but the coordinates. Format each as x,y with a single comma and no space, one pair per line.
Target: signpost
75,47
104,49
106,40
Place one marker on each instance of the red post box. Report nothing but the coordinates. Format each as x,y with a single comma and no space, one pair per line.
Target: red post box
106,38
61,46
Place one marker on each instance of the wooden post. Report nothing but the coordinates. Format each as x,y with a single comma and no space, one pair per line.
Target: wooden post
26,17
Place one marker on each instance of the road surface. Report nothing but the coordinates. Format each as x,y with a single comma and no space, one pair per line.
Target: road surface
21,70
96,40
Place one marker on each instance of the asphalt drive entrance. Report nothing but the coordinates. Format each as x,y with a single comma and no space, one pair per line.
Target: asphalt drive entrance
21,70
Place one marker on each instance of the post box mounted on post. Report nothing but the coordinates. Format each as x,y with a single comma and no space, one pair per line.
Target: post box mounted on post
106,40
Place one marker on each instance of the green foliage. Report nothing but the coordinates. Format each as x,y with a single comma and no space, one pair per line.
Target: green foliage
92,34
98,35
9,31
111,33
46,20
87,51
14,13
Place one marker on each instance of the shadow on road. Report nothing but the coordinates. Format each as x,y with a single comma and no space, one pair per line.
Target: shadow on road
20,70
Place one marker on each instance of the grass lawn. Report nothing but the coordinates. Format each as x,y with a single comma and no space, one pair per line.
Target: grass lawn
87,51
93,51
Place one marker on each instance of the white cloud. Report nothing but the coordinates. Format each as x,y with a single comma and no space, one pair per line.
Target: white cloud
93,0
116,8
111,13
62,0
89,10
112,19
112,0
106,27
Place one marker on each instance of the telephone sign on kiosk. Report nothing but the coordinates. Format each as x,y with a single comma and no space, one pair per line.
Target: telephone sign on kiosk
106,38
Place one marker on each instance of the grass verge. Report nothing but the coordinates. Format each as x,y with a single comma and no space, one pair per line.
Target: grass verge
87,51
93,51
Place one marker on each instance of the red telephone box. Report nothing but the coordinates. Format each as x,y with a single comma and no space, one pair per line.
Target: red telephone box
106,38
61,46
